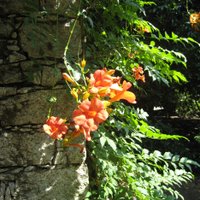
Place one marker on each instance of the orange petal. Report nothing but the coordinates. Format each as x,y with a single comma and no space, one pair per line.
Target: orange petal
91,125
96,104
126,85
116,87
111,72
115,97
101,116
129,96
126,95
94,90
78,117
85,105
86,133
47,129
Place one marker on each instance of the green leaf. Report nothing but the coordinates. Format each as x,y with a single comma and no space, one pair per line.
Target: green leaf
192,40
157,153
176,158
179,76
167,155
111,143
167,36
102,141
152,43
174,36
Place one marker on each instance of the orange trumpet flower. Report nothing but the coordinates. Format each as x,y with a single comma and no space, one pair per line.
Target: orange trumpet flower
89,115
138,73
100,82
118,93
55,127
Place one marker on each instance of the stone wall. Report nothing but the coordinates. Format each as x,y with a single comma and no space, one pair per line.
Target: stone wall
33,35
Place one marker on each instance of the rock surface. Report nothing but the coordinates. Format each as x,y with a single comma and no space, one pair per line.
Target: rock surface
32,165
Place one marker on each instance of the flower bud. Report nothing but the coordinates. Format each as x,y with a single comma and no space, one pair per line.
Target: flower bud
65,142
68,78
111,72
106,104
86,95
74,93
83,63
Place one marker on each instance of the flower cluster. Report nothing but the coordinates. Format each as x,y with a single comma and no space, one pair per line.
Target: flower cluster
93,99
195,21
138,73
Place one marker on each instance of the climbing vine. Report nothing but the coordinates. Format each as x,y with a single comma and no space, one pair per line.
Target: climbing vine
120,53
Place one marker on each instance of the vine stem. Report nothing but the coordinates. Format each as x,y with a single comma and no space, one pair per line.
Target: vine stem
187,8
71,32
68,42
83,75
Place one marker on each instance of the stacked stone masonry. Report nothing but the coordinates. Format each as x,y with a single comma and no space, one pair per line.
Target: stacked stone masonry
33,35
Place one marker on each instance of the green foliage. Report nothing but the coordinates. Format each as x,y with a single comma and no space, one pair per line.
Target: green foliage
173,17
154,133
188,107
124,169
130,33
118,30
116,35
